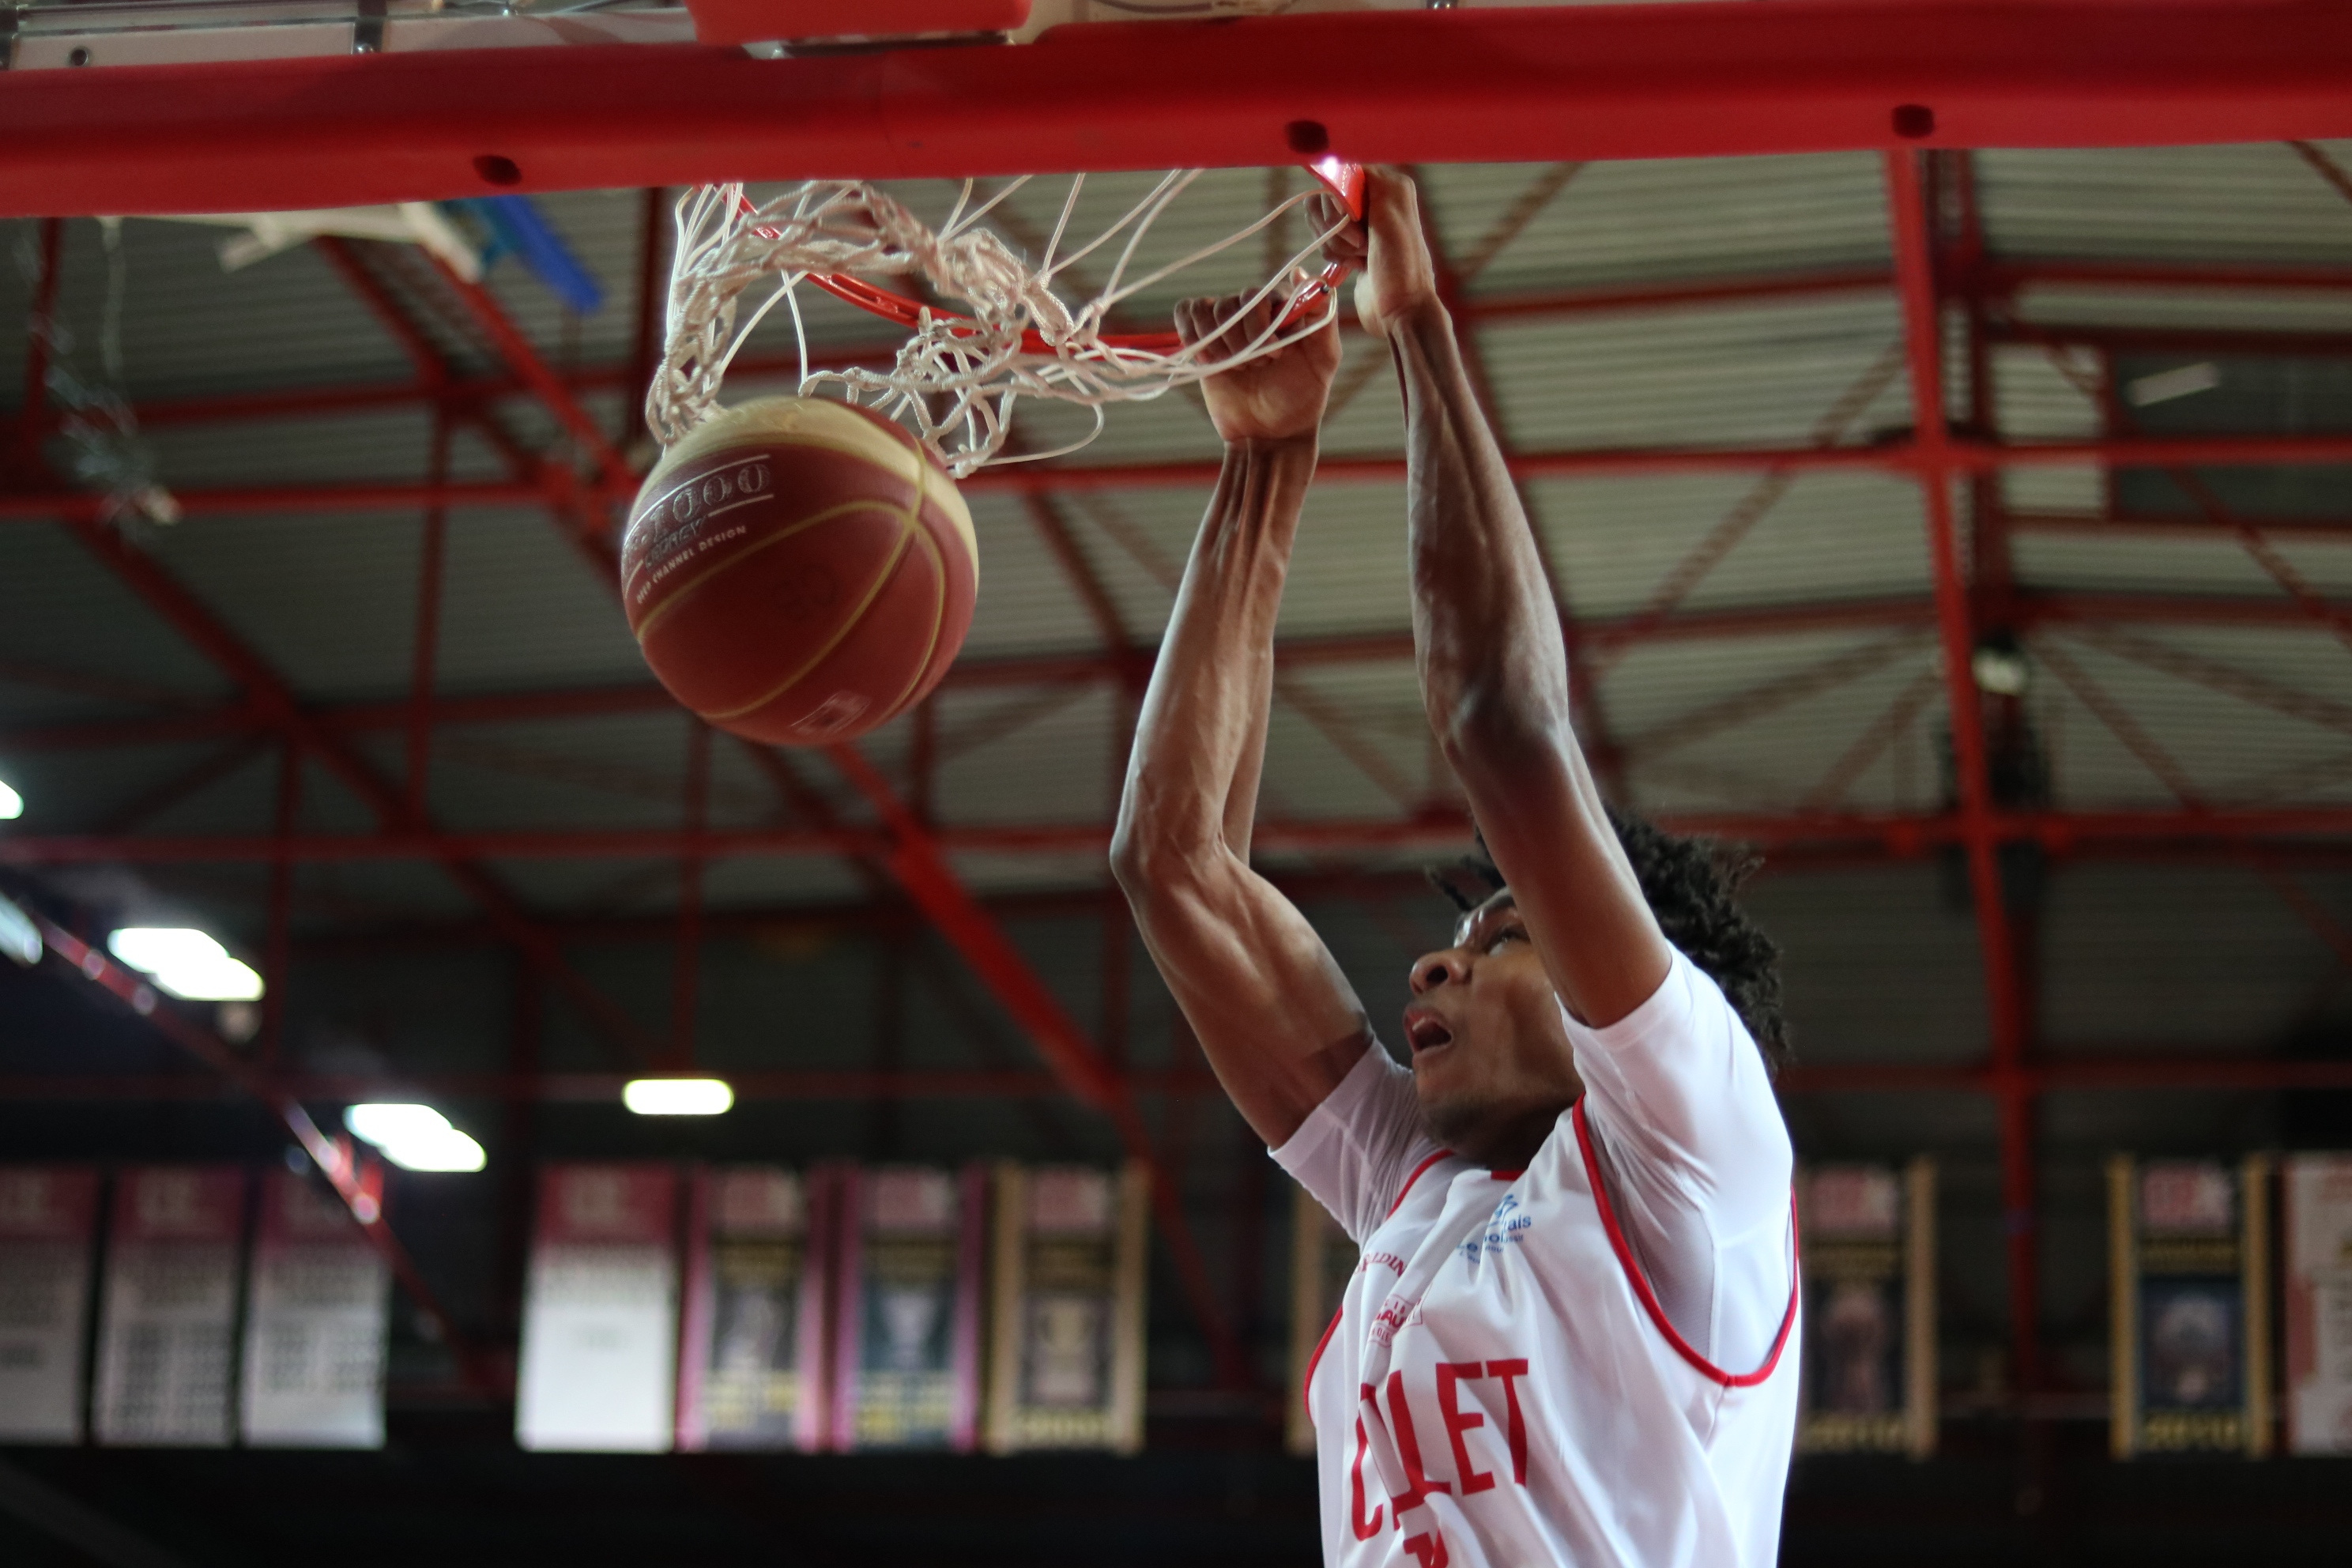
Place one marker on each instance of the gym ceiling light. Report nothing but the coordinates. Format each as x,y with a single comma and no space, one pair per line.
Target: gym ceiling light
415,1137
188,963
676,1096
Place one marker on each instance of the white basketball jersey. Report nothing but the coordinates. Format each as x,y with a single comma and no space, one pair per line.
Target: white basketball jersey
1502,1386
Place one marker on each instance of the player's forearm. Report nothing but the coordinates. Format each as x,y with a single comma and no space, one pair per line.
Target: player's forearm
1192,782
1494,675
1269,1006
1493,670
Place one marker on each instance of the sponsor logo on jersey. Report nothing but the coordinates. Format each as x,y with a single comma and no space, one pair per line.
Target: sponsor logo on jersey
1504,1228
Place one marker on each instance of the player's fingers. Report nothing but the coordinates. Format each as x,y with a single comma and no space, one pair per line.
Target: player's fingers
1326,212
1260,317
1348,242
1347,247
1188,322
1205,326
1209,326
1234,311
1392,203
1322,345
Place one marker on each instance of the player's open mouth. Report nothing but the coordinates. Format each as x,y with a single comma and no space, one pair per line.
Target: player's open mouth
1424,1032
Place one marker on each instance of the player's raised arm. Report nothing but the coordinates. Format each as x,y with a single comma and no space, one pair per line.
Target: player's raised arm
1278,1021
1494,668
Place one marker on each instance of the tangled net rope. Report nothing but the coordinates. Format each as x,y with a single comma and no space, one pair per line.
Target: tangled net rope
957,378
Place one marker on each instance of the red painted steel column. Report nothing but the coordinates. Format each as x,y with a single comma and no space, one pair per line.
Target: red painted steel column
1923,332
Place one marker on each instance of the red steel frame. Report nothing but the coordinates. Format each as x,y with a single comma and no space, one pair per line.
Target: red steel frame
2193,71
1630,81
1922,331
905,846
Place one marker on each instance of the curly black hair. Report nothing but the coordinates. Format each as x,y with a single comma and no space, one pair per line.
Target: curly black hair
1691,886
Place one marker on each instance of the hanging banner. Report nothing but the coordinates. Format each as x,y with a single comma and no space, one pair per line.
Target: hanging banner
1869,1266
1065,1368
907,1345
752,1367
167,1332
48,1221
2318,1226
317,1319
1322,1261
2189,1262
600,1312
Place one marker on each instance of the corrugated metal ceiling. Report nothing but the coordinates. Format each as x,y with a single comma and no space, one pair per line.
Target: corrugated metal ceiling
330,601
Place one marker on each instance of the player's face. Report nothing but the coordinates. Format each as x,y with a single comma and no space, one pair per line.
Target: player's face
1490,1057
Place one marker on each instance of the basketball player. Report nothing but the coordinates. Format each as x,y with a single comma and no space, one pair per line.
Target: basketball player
1569,1338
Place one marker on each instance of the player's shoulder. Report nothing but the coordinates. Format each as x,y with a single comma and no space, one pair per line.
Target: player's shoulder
1687,999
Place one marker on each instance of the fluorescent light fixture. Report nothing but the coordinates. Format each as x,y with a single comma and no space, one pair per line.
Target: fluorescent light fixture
188,964
2001,670
2167,385
20,939
11,803
415,1137
676,1096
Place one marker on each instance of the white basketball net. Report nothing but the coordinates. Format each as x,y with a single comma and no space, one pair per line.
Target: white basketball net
956,379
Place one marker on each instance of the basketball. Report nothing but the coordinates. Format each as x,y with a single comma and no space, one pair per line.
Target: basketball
798,571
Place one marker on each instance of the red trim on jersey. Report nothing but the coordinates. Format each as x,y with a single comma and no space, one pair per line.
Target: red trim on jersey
1649,1298
1509,1175
1409,1181
1306,1389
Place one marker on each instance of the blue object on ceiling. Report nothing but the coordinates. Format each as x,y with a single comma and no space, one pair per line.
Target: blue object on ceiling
518,229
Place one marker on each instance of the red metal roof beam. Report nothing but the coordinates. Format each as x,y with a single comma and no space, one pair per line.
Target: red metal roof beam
1450,86
1899,837
1957,455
